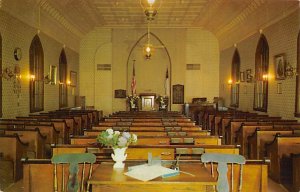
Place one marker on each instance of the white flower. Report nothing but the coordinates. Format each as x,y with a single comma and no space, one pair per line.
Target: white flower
122,142
126,135
134,137
117,132
110,131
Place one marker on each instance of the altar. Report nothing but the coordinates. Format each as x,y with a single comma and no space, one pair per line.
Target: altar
147,101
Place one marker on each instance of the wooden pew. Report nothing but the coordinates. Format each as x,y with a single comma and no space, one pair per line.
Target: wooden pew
255,176
257,141
245,131
73,121
34,138
47,130
59,124
279,152
296,172
156,133
12,148
146,128
234,126
38,174
35,181
154,140
141,151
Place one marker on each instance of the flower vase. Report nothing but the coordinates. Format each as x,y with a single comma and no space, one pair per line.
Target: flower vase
119,156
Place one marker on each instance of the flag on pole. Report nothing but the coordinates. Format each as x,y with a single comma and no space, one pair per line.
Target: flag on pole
167,84
133,81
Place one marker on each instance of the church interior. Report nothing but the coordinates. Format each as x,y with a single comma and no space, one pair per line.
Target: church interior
210,87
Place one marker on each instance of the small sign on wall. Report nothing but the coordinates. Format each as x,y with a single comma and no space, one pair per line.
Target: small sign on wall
178,94
120,93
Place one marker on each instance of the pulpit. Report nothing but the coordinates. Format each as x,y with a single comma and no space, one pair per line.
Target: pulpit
148,101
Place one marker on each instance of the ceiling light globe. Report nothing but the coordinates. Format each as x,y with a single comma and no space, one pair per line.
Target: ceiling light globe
148,49
151,2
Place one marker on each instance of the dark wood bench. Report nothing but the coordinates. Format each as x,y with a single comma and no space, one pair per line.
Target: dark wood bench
13,148
279,152
36,141
257,141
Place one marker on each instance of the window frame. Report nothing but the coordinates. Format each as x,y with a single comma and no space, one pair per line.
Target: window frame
261,68
63,87
36,65
235,76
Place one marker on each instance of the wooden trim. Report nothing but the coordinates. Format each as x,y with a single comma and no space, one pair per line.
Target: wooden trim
297,112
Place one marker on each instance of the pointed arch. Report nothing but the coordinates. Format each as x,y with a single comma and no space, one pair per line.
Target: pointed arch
261,69
169,66
235,76
36,62
63,93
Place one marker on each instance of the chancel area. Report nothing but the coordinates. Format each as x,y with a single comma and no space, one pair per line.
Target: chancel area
149,95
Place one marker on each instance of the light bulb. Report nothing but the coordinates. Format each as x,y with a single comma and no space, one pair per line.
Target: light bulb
148,49
151,2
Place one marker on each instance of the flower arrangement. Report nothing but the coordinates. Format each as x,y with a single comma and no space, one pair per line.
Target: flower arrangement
116,139
160,100
132,98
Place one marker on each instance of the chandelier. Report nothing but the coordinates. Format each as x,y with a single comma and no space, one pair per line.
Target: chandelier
150,8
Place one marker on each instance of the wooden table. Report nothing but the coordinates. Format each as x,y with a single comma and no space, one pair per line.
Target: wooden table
105,178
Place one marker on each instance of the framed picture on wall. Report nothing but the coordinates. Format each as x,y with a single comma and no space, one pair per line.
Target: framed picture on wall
73,78
178,94
242,76
249,75
279,61
120,93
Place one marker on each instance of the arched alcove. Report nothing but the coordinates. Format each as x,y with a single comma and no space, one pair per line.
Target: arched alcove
150,74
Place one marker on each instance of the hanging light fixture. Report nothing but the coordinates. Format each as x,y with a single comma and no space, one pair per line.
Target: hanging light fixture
150,8
148,46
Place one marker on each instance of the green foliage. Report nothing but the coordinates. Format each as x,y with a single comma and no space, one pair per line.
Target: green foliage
116,139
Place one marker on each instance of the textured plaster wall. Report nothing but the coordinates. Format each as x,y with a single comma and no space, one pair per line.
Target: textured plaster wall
282,39
173,50
18,34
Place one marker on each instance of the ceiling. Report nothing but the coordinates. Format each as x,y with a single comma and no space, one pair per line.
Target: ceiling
218,16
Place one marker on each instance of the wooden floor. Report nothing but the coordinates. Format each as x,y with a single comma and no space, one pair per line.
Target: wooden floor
273,187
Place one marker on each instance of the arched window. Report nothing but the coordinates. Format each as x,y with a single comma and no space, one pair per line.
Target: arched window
297,110
63,96
235,76
36,60
261,75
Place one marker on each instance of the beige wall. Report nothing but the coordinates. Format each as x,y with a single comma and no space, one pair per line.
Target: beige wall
19,34
282,38
193,46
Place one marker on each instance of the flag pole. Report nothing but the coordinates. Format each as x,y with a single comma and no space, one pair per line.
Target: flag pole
133,81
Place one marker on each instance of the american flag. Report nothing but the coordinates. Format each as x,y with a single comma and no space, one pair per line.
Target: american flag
167,86
133,81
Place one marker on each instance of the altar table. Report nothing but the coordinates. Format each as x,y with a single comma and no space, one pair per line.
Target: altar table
107,179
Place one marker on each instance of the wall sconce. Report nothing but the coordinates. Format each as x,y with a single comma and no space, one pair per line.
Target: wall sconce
47,79
290,71
229,82
14,75
32,77
69,83
10,74
265,77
